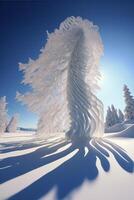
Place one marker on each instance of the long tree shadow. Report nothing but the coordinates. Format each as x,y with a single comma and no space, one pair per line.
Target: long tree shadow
25,145
70,174
18,165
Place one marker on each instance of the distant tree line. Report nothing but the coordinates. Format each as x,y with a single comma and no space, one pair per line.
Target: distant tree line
115,116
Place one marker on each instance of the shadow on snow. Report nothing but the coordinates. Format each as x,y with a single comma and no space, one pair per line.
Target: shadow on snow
70,174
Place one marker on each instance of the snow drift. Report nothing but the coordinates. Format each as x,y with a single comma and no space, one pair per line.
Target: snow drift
124,130
64,80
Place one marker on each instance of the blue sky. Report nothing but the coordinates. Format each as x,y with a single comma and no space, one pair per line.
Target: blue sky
23,28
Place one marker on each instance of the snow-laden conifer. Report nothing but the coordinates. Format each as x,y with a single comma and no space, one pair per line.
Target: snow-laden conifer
129,101
121,116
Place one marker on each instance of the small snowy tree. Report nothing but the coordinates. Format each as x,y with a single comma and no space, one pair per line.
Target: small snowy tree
115,118
12,126
129,100
108,122
111,117
121,116
3,114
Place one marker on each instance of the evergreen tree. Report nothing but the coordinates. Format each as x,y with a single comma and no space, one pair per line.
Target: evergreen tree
111,117
12,126
115,118
129,101
3,114
108,122
121,116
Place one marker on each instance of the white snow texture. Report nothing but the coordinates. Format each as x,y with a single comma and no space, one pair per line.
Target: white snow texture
64,80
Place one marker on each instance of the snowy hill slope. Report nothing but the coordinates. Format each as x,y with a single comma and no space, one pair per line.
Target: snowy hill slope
53,169
128,132
117,128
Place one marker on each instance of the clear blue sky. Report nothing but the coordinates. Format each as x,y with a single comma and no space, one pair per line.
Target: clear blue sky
23,28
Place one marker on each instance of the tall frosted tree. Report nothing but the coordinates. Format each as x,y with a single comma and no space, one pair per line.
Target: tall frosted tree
121,116
129,101
12,126
64,80
3,114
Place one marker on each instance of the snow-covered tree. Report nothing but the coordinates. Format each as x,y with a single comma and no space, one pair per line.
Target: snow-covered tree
115,117
112,117
121,116
64,80
3,114
129,101
12,126
109,121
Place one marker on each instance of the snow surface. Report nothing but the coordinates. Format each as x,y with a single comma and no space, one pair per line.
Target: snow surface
117,127
127,132
51,169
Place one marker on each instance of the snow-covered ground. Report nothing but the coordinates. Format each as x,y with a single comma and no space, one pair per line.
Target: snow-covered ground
121,130
51,169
